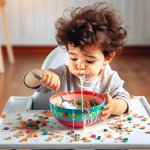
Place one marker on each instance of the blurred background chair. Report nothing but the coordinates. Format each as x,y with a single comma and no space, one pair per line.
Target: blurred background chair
6,33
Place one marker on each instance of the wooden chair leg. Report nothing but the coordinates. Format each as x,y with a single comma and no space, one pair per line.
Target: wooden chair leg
5,28
1,61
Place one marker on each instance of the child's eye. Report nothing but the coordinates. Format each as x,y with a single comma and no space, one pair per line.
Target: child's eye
90,62
73,59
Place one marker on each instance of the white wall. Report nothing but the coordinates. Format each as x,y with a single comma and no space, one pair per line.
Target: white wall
31,22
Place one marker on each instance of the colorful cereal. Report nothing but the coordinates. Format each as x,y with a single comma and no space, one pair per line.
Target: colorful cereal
129,118
45,133
99,137
125,139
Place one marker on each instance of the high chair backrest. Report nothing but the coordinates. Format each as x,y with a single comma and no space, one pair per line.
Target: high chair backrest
56,58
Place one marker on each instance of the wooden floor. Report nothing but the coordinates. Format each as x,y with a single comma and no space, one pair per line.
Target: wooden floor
133,69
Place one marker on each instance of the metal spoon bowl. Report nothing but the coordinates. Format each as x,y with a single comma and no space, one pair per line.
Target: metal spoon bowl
66,103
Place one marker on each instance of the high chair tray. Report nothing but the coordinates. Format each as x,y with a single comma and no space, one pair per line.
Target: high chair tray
126,131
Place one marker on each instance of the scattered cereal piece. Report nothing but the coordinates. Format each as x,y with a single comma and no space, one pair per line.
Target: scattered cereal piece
36,128
120,124
128,130
132,96
8,138
23,126
35,124
148,132
47,113
20,132
3,116
84,138
41,116
28,131
6,128
136,125
46,117
125,140
135,116
25,139
77,136
49,139
141,116
30,120
144,119
36,115
44,124
109,136
19,118
29,124
38,121
45,133
129,118
99,137
93,135
35,135
105,130
70,132
120,127
119,138
142,127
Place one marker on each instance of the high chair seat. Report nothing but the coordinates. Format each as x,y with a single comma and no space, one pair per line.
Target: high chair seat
56,58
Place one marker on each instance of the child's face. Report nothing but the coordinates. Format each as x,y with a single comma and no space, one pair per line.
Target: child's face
90,61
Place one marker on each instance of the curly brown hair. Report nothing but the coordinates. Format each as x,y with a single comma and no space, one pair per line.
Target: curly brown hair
98,25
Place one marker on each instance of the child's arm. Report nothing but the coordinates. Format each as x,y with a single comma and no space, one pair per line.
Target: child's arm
113,107
48,79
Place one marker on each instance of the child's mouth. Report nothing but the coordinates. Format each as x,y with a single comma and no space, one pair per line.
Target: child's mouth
82,76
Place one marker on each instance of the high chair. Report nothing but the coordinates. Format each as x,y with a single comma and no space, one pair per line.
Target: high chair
40,101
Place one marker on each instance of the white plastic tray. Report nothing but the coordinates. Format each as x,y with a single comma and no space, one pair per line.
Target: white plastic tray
17,107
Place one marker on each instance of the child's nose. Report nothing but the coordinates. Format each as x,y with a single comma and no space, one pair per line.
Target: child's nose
81,67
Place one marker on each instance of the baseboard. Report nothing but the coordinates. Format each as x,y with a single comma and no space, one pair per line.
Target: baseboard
30,50
44,50
137,50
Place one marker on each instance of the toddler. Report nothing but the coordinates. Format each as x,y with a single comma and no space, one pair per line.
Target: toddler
92,36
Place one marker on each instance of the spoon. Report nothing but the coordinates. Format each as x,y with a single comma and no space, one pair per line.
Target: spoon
64,103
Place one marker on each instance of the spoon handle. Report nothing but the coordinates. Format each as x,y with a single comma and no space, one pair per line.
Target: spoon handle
60,96
36,76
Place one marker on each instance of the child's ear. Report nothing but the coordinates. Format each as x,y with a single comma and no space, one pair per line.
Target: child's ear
109,57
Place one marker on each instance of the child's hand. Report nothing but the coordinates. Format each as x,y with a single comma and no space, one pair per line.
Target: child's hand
108,108
50,80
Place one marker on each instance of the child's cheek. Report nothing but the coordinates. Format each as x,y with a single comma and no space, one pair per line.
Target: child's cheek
71,68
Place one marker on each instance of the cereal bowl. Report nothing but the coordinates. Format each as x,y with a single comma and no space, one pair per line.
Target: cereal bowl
82,116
